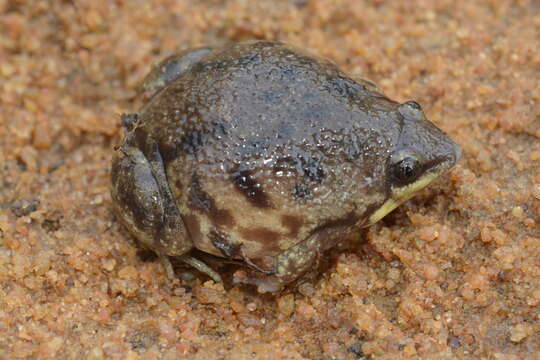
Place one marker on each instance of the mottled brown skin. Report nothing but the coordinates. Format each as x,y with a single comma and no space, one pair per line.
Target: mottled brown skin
262,153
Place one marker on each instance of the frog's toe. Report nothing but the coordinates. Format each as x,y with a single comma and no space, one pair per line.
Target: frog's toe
264,283
167,265
269,284
202,267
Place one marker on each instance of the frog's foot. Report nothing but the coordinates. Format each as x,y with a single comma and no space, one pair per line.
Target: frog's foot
289,266
248,261
167,265
191,261
264,283
199,265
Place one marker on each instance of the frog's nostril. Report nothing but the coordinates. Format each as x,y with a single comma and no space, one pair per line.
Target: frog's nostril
452,153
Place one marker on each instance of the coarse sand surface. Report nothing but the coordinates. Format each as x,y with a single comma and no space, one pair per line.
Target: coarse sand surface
452,274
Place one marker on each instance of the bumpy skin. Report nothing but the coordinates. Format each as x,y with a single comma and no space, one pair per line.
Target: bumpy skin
262,153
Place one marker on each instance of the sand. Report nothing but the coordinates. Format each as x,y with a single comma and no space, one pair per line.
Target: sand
452,274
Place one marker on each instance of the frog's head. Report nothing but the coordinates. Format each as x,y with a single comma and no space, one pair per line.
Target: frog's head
421,154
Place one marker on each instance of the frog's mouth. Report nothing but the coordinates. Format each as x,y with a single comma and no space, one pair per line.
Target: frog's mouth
401,194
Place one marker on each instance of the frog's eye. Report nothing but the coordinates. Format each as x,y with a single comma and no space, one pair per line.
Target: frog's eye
406,170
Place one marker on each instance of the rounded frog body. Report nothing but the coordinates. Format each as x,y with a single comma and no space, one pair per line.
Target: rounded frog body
262,153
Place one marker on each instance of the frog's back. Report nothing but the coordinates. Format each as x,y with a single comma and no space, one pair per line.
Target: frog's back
262,144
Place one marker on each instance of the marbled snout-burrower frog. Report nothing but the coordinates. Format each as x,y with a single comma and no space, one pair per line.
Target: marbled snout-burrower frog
262,153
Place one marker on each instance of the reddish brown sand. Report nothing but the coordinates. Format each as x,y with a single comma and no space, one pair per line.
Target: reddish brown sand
452,274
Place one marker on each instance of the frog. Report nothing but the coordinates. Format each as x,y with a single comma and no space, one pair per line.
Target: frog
261,153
